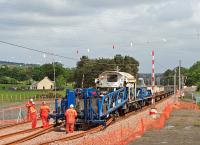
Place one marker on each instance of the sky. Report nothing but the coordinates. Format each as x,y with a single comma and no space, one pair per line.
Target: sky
135,27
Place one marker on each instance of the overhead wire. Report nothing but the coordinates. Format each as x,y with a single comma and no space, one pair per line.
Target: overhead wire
39,51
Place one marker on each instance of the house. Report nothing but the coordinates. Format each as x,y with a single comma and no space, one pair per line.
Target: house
44,84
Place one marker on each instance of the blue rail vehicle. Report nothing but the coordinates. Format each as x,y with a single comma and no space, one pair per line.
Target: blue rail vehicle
115,94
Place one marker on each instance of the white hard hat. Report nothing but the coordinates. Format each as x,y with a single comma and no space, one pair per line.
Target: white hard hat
31,100
33,103
71,106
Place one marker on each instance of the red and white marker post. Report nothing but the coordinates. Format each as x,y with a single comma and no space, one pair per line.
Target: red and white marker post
153,111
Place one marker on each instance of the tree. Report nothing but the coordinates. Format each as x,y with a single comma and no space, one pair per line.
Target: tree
91,68
193,74
60,81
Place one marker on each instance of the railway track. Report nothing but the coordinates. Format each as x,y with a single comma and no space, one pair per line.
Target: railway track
19,132
81,134
38,133
13,125
17,124
99,128
93,130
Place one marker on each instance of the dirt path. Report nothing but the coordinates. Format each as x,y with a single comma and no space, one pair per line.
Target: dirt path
182,128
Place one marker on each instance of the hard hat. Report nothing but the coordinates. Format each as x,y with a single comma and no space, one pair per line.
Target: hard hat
31,100
33,103
71,106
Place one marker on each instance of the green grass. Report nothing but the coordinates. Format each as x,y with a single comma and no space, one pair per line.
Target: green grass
198,92
23,95
16,96
8,86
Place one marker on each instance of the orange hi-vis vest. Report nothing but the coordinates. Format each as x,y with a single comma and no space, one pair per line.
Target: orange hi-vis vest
44,110
32,110
70,114
29,104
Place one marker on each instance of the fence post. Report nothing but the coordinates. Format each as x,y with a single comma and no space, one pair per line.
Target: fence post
3,115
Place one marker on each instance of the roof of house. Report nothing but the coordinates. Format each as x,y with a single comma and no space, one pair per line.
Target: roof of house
35,83
47,79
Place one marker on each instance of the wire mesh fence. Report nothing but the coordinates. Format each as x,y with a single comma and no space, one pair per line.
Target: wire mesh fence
18,113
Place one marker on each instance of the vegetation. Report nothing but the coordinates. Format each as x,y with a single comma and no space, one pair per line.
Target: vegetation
20,77
15,96
24,95
168,75
191,75
89,69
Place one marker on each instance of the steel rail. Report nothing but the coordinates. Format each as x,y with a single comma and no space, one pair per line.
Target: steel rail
38,133
72,137
19,132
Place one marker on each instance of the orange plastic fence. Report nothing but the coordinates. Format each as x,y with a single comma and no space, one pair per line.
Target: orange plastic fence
126,132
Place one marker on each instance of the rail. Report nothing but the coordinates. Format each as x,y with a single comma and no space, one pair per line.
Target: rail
19,132
40,132
81,134
93,130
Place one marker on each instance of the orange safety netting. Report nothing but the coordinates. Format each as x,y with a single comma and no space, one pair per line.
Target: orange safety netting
127,132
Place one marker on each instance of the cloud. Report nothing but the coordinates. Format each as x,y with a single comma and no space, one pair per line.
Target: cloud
65,26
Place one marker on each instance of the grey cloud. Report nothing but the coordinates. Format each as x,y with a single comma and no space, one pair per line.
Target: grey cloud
68,25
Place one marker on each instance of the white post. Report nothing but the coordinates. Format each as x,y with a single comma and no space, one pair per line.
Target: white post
54,75
19,118
3,115
175,85
135,91
179,79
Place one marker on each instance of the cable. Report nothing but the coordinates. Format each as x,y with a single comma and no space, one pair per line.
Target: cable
162,66
39,51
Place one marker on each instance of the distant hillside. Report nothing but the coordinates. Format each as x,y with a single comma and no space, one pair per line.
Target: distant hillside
12,64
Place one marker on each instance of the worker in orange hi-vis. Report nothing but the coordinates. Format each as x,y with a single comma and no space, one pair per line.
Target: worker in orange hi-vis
33,115
71,115
44,112
28,105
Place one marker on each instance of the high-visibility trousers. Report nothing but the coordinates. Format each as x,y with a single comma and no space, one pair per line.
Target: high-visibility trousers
70,127
45,122
33,120
28,115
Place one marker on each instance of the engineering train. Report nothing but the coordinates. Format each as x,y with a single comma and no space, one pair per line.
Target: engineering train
116,93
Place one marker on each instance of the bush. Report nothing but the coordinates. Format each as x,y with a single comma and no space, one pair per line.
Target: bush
198,86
